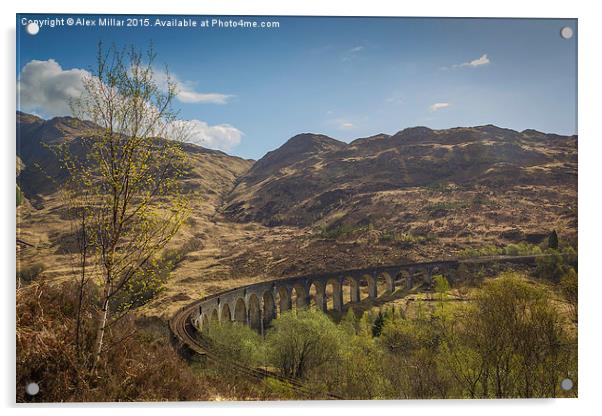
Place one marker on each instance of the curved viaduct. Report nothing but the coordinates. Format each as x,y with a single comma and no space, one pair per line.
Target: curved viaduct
258,304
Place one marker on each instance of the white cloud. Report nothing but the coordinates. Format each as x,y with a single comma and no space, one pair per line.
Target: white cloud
482,60
186,90
352,53
439,106
343,124
220,136
46,88
187,96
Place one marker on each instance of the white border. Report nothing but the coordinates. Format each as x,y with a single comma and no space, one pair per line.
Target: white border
590,125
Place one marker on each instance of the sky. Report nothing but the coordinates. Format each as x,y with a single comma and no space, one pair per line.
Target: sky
247,91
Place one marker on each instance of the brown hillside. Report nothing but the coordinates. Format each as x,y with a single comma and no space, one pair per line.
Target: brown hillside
318,204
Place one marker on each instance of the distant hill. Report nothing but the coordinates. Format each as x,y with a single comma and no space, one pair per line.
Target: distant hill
316,179
212,171
319,204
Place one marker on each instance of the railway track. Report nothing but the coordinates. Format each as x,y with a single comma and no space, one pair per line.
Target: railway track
190,342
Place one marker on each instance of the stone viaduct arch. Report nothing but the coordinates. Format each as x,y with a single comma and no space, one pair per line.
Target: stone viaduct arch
258,304
226,315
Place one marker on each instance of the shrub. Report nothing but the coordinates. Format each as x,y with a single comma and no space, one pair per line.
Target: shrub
151,277
568,287
19,196
556,264
441,285
524,347
377,325
303,341
139,363
553,240
341,231
361,373
27,274
519,249
236,342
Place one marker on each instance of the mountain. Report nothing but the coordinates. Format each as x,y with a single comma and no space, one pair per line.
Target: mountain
212,172
317,204
42,222
317,180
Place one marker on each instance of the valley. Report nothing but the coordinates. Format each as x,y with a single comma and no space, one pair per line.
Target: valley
317,204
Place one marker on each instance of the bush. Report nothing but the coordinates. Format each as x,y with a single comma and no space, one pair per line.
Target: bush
557,264
509,341
303,341
19,196
361,375
341,231
236,342
27,274
523,345
410,362
441,285
377,325
519,249
139,364
151,277
568,287
553,240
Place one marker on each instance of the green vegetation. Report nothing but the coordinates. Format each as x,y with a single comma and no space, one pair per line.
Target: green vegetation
557,264
519,249
124,194
341,231
237,342
511,340
19,196
378,324
569,289
304,342
441,285
442,187
152,279
553,240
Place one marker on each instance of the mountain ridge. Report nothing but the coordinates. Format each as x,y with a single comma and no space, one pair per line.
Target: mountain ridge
317,204
288,183
41,175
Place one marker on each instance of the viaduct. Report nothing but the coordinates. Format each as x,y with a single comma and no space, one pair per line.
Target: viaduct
256,305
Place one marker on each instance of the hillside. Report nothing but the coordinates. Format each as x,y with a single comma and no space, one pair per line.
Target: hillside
212,172
312,178
319,204
41,221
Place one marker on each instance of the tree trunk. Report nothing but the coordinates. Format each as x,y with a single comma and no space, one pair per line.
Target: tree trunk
102,324
82,283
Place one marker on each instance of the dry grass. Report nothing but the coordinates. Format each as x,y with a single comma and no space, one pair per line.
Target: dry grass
139,363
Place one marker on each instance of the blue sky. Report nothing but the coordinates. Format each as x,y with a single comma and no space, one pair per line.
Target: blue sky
252,89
